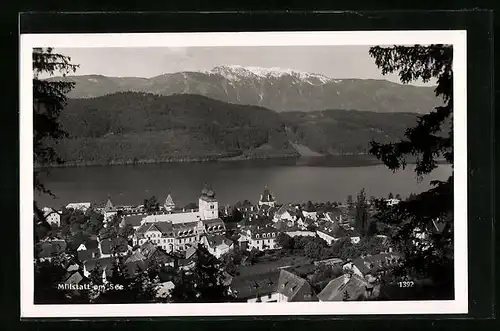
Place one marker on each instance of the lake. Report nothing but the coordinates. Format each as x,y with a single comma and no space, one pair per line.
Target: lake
290,180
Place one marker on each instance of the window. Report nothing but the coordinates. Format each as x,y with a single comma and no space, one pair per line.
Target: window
211,206
257,235
274,234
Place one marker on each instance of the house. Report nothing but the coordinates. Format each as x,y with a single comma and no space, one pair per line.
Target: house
170,237
300,233
331,232
256,288
88,250
47,249
261,238
348,287
287,213
369,266
83,206
266,199
118,246
149,252
334,216
292,288
311,214
134,220
305,223
52,217
217,244
392,202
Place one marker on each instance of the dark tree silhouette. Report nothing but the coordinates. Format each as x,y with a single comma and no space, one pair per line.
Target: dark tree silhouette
361,212
430,139
49,98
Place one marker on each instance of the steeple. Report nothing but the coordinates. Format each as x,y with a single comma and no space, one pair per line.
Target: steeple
169,203
109,205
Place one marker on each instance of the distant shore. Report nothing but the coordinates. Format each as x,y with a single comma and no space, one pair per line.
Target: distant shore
310,160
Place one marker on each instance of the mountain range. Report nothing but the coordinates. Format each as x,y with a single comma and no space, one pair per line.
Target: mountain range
137,127
273,88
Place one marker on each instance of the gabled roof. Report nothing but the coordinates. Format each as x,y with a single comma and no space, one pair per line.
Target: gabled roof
215,240
374,263
133,220
249,286
294,287
334,291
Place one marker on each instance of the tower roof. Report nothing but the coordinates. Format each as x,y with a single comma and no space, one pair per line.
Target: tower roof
208,191
266,196
109,205
169,201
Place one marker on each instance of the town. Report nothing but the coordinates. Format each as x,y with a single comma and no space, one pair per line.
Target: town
259,252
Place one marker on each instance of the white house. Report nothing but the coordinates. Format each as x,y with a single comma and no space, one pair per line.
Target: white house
300,233
216,244
83,206
261,238
287,213
52,217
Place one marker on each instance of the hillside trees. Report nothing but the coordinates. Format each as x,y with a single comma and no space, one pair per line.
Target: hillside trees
428,140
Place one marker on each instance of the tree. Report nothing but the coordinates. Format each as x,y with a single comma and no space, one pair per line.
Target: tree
151,205
48,274
390,196
204,283
285,241
313,249
350,203
361,213
49,99
430,139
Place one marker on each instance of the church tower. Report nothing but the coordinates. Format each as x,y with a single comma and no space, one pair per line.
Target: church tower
267,198
169,203
208,205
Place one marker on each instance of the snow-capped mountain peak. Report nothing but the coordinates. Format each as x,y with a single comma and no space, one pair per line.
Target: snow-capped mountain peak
238,72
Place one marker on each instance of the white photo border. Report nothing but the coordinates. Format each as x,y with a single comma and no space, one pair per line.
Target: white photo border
457,38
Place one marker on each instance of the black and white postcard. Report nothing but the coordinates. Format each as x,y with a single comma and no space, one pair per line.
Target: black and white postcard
232,174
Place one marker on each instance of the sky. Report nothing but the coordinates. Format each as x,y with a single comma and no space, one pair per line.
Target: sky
332,61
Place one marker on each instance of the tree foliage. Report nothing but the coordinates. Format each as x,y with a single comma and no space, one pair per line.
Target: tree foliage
361,213
49,98
204,283
430,139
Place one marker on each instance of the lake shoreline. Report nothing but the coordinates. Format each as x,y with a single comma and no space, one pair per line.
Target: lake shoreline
198,160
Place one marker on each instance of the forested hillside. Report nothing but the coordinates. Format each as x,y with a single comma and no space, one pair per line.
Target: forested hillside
129,127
